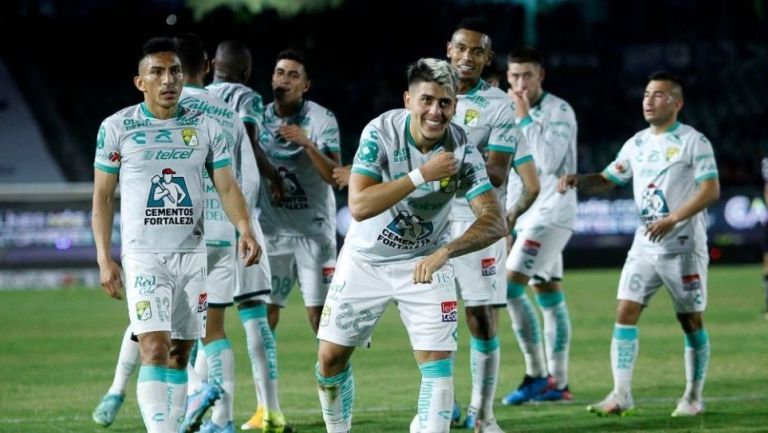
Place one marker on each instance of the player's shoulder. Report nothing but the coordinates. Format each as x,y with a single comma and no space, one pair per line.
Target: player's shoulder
315,110
688,133
556,104
391,120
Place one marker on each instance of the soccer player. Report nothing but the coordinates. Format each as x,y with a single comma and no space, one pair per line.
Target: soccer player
407,169
300,138
486,116
674,178
232,68
536,257
163,246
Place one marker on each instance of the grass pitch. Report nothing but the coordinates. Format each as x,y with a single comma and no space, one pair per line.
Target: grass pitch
58,350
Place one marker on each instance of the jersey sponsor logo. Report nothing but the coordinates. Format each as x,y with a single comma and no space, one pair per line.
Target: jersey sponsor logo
131,124
328,275
205,107
146,284
531,247
189,135
449,311
619,167
488,266
295,197
653,205
691,282
202,302
399,155
368,151
471,117
143,310
169,202
407,231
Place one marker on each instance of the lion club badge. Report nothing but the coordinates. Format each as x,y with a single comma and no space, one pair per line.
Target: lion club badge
190,136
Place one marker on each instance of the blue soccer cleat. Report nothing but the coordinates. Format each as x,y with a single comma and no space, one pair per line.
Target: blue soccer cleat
456,415
553,394
197,404
210,427
528,390
470,420
105,413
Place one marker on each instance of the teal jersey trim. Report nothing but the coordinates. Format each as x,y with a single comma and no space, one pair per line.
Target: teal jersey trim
334,149
369,173
176,377
106,168
221,163
523,160
613,178
525,121
217,244
706,176
479,190
502,149
412,142
673,127
626,333
484,346
437,369
249,119
152,373
476,88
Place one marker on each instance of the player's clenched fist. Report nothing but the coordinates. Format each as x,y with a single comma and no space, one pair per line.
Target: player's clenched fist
442,165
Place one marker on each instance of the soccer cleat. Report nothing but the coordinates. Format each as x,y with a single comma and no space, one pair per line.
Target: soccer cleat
256,421
105,413
456,415
210,427
528,389
488,426
554,394
415,426
686,407
613,405
471,420
274,422
197,404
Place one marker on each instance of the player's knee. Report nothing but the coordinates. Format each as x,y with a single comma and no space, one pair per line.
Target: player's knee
690,322
331,359
155,351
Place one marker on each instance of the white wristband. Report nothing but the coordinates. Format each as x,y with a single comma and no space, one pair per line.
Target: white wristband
416,177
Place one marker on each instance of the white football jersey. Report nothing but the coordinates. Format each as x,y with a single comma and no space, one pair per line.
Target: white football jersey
665,170
246,101
485,114
160,164
417,225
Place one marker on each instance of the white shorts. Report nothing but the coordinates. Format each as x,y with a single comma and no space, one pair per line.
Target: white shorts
480,278
360,292
254,283
685,276
166,292
538,253
311,260
220,283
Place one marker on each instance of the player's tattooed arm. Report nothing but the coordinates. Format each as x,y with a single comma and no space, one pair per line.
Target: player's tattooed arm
497,167
489,226
531,188
593,183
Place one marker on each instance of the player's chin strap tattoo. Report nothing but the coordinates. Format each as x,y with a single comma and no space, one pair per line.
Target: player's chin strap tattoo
488,228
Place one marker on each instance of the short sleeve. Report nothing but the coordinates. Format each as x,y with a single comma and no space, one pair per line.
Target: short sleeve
472,176
704,164
369,158
108,156
620,170
218,154
328,134
252,109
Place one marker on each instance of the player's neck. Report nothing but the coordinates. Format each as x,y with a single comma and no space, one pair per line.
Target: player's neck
287,109
662,128
196,82
159,112
466,85
220,77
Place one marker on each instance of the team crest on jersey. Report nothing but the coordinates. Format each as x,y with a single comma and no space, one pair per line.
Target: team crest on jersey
143,310
202,302
407,231
672,152
449,184
471,118
488,267
653,205
189,135
691,282
531,247
449,311
328,275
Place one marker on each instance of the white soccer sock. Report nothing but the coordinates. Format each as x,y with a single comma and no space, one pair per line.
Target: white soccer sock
152,395
526,325
195,367
484,363
221,371
177,397
436,396
557,335
337,396
696,362
262,352
624,348
127,361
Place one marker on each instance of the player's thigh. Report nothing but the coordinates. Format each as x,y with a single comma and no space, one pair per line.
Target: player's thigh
685,276
148,291
357,297
315,266
480,278
282,265
428,311
220,282
190,301
254,282
537,249
639,279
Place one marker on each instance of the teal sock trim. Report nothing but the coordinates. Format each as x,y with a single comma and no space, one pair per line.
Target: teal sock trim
249,313
625,332
697,340
215,347
514,290
176,377
152,373
549,300
484,346
341,377
437,369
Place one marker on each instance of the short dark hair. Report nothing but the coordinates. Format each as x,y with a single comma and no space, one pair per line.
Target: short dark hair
475,24
427,70
157,45
525,54
668,76
189,48
492,70
296,56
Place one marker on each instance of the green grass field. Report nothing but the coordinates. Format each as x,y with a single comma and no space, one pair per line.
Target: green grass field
58,349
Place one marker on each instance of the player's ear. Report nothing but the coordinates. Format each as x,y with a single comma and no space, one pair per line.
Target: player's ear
139,83
407,100
307,85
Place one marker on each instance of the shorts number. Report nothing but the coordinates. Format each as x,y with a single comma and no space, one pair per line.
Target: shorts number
347,312
281,286
636,282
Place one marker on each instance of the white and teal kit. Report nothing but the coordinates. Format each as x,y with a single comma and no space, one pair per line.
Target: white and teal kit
550,129
486,116
665,170
246,101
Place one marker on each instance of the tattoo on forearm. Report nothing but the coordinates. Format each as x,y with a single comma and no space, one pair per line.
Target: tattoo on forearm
487,229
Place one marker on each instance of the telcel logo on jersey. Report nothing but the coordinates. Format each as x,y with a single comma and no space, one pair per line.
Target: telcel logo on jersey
168,202
449,311
488,266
